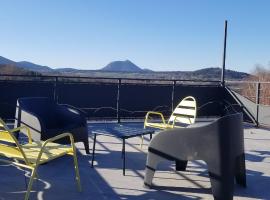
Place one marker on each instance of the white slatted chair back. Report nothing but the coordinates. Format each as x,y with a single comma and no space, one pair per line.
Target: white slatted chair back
185,112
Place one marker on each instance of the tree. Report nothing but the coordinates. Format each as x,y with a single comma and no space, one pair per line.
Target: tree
260,74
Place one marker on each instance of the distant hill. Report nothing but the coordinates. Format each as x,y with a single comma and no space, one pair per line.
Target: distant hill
25,65
5,61
33,66
215,72
13,69
68,70
122,66
119,69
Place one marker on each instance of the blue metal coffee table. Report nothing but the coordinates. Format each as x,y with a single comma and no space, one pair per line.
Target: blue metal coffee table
120,131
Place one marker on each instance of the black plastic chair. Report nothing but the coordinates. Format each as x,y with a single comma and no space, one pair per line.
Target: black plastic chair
219,143
47,119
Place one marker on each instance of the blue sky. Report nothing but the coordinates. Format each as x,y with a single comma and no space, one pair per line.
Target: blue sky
157,34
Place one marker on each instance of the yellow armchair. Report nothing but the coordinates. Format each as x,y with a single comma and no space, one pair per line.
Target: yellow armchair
32,154
183,115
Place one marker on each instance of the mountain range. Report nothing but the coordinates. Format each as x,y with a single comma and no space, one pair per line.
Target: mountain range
25,65
116,69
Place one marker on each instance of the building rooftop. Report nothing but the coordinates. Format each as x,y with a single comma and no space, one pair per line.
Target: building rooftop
105,180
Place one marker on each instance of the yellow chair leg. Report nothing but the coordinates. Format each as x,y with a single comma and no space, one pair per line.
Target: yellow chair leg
33,174
78,179
142,142
142,136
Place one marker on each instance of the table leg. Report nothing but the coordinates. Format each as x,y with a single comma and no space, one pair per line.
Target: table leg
181,165
124,157
94,148
142,137
123,148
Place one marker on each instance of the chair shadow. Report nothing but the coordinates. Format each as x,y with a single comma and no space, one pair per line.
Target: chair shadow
261,155
184,189
160,195
254,190
12,182
56,180
135,161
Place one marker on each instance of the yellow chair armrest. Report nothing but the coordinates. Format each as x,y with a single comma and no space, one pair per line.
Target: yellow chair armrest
27,129
63,135
154,113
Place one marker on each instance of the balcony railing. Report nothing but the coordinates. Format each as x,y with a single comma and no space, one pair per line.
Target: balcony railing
256,96
115,98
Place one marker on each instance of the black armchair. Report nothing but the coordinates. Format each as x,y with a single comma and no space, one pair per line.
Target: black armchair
219,143
47,119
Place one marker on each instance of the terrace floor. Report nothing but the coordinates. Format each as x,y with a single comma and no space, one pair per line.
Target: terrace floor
106,182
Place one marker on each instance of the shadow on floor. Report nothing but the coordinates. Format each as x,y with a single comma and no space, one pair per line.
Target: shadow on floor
258,156
56,181
61,184
160,195
57,178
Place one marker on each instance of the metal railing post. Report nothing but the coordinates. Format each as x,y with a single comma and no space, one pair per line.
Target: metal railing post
224,56
55,95
258,88
173,93
117,103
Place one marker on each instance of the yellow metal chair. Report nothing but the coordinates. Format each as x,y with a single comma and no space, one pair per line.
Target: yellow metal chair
32,154
184,114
